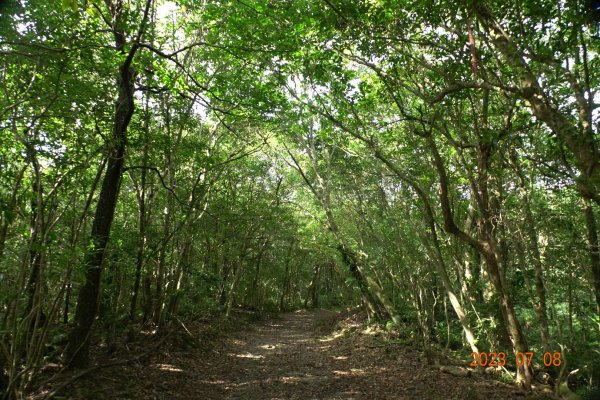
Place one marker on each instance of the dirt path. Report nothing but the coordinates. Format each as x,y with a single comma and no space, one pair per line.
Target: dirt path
289,359
282,359
292,358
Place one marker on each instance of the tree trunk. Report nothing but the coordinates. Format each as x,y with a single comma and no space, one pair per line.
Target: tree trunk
77,352
373,297
580,142
36,242
313,289
539,306
435,251
487,248
225,270
592,236
237,274
174,288
253,295
147,298
141,244
352,260
9,213
158,299
285,289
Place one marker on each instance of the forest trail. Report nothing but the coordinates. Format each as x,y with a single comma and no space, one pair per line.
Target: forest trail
295,356
291,358
165,164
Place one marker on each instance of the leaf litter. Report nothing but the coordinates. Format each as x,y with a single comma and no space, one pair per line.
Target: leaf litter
299,355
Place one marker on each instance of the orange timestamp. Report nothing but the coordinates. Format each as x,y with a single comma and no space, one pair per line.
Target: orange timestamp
493,359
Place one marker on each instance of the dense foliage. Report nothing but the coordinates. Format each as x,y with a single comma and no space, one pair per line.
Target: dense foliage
436,162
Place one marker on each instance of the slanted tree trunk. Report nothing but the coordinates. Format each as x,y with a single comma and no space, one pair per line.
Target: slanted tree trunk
77,352
433,246
578,136
486,247
372,294
430,220
580,142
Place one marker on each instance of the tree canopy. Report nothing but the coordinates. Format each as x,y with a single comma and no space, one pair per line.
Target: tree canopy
436,163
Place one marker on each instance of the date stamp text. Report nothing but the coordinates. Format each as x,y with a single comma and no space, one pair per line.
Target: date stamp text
492,359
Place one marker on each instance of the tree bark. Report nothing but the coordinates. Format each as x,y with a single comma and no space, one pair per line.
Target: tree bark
580,142
488,250
433,247
77,352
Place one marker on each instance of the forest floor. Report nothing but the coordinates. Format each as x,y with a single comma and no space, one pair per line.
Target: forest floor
299,355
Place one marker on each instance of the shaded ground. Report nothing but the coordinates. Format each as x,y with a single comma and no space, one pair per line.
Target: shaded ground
292,357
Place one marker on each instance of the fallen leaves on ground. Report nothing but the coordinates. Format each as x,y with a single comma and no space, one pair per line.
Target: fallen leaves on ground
295,356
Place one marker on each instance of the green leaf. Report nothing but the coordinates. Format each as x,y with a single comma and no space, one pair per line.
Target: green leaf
70,4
